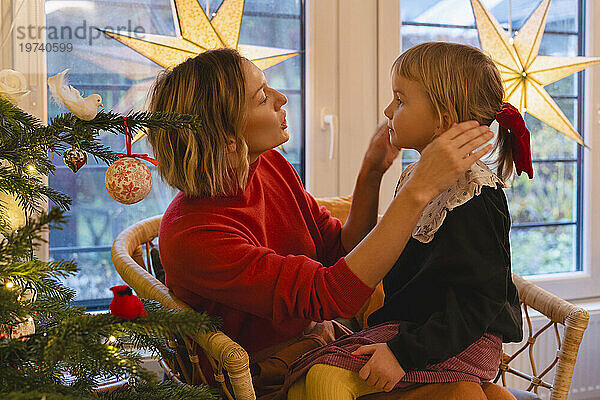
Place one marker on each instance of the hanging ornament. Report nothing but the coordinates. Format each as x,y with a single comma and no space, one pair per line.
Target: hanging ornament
128,180
199,33
524,72
75,158
18,330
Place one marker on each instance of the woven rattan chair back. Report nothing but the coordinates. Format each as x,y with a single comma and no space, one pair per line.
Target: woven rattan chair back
225,355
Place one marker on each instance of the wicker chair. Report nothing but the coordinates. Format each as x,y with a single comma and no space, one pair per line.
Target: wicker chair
226,356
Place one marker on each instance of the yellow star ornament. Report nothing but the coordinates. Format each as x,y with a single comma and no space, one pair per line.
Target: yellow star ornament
524,72
197,34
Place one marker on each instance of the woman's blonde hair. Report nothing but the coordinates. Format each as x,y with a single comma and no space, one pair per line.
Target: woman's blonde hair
463,82
211,86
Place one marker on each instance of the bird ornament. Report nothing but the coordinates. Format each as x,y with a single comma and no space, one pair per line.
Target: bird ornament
125,304
85,108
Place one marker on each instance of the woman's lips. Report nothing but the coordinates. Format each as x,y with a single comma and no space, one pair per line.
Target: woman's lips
284,125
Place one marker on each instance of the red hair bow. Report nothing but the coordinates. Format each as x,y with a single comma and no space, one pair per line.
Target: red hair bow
511,120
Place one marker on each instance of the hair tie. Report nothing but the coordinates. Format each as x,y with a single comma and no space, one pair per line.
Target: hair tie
511,119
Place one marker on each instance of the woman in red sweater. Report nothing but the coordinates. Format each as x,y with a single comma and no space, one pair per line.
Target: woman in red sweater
244,241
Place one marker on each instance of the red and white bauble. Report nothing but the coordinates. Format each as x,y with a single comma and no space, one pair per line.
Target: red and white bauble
128,180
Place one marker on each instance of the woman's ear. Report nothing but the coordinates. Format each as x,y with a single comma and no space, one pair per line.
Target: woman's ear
231,146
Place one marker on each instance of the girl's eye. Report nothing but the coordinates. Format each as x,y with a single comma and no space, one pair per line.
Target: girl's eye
398,100
264,100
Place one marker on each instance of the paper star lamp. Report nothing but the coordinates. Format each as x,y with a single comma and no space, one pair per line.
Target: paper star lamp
197,33
524,72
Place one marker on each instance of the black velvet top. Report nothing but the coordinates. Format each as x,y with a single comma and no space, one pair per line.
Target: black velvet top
452,290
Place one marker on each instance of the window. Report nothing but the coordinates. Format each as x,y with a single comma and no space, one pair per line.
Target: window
122,77
547,212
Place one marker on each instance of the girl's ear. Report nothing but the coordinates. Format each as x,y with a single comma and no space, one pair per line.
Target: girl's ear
445,123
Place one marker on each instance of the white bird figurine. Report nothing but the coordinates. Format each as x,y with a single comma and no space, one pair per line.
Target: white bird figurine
83,108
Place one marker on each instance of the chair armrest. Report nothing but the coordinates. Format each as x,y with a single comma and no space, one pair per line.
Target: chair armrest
232,358
574,318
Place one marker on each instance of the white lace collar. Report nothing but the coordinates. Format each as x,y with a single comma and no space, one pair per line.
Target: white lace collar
466,187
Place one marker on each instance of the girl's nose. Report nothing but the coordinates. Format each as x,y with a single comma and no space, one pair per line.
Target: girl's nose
388,112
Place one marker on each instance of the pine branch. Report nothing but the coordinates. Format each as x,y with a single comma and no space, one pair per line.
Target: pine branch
143,391
37,270
49,311
163,390
10,308
18,245
13,115
29,191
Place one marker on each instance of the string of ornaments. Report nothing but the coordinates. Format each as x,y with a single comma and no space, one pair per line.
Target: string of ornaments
128,180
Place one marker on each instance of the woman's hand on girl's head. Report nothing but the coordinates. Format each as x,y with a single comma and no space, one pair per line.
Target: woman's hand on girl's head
380,154
449,156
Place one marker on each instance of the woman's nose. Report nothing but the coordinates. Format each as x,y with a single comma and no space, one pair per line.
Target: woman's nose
281,99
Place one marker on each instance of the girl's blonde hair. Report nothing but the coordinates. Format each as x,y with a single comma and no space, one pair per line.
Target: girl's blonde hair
211,86
465,83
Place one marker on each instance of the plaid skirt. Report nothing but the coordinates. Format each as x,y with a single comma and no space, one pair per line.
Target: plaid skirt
477,363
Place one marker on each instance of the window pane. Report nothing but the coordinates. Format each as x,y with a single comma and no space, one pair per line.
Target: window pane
562,16
122,77
558,45
96,274
543,250
547,142
413,35
542,199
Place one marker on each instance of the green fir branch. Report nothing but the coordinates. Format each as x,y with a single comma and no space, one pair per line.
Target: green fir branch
18,245
162,391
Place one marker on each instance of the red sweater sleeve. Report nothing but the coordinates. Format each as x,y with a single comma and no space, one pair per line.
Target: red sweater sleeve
256,280
331,231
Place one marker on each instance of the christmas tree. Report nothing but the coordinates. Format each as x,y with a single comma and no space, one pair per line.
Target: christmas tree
50,348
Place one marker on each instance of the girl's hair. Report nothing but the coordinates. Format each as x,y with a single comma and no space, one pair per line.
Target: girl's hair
465,83
211,86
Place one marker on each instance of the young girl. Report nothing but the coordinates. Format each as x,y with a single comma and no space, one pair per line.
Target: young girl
449,300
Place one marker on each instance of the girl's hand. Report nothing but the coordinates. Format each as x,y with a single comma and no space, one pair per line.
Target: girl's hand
380,154
448,156
382,370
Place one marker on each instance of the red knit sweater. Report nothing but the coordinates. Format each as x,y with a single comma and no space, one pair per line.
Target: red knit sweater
266,261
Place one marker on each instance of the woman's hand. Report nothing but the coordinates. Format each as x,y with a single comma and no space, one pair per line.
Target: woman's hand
448,156
382,370
380,154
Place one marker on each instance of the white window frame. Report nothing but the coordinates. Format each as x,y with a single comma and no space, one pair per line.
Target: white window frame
350,47
585,285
